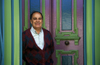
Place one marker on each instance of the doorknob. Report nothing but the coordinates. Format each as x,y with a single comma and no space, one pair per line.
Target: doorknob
66,42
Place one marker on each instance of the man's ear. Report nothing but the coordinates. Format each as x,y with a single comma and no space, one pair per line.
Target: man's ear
31,21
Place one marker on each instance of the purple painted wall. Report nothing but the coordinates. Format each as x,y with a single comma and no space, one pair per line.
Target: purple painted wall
80,29
48,14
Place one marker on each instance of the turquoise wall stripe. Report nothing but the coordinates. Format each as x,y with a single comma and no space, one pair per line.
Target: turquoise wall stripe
20,28
85,49
2,31
93,32
12,31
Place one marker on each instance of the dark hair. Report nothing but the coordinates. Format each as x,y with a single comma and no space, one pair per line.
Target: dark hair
35,12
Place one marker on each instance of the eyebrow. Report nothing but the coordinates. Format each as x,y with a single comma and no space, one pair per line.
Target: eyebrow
36,18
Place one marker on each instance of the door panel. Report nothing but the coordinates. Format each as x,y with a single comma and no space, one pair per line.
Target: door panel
73,51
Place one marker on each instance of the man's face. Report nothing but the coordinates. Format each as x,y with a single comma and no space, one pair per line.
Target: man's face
36,20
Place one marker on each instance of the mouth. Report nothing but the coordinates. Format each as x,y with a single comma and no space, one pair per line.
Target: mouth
37,23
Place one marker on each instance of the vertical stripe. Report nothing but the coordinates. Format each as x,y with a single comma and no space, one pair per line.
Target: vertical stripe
93,32
23,14
7,29
50,18
58,14
40,5
75,14
16,33
12,23
26,15
97,32
20,22
43,12
89,31
1,37
3,33
85,49
48,14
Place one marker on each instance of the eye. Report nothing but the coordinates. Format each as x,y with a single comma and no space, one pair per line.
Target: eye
40,18
34,18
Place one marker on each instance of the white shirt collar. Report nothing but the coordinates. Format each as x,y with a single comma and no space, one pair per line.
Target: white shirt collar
34,31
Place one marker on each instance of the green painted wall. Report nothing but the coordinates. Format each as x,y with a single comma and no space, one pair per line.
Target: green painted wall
7,40
97,32
16,33
89,31
26,15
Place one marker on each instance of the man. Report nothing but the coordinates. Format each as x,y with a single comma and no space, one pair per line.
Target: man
38,44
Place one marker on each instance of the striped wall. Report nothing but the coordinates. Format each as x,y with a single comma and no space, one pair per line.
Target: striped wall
92,20
13,32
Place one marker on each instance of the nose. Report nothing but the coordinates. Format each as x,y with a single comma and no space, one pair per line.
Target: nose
38,19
